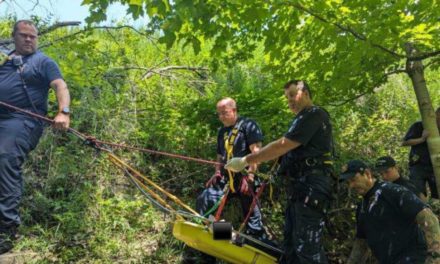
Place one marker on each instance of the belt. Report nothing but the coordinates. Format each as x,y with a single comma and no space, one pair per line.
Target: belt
312,163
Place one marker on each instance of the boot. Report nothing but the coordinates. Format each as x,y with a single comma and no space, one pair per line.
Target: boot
7,236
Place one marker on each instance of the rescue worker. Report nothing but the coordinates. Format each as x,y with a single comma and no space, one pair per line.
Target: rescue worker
307,162
420,165
24,82
238,137
391,221
386,166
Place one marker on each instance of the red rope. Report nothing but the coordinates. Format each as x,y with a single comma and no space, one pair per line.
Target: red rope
96,143
253,204
220,208
159,152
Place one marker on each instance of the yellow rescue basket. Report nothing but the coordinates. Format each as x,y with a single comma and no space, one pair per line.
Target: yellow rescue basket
201,238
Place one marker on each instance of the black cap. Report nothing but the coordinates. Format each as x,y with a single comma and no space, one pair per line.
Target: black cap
384,163
351,168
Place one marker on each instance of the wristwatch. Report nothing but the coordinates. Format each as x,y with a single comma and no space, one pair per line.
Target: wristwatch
66,110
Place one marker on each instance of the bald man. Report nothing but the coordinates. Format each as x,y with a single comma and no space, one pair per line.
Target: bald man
238,137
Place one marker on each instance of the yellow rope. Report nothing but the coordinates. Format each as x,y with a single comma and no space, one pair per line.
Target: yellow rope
229,147
123,165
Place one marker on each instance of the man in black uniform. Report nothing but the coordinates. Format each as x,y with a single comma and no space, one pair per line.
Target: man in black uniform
238,137
306,149
391,221
386,166
420,165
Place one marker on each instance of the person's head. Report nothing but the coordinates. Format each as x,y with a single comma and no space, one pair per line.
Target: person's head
298,95
437,115
358,176
386,166
227,111
25,35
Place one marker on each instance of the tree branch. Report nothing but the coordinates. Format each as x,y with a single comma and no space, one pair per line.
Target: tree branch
433,62
149,72
123,26
160,71
424,56
59,25
347,29
371,90
101,27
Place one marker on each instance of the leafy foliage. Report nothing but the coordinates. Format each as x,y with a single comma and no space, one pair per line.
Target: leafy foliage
343,48
78,208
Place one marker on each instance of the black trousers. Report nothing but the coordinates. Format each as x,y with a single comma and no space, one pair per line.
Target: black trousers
302,234
421,174
18,136
309,191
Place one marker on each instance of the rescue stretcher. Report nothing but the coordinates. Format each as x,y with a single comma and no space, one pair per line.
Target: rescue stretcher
201,238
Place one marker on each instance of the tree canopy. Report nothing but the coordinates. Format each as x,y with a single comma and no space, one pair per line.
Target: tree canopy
344,48
156,87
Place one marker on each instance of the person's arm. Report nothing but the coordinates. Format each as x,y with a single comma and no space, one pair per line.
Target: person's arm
272,151
61,121
218,166
254,166
359,252
428,222
416,141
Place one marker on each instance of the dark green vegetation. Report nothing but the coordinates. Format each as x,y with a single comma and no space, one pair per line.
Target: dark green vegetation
345,49
79,208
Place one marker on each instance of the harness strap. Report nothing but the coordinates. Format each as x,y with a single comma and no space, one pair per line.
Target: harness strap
230,141
222,205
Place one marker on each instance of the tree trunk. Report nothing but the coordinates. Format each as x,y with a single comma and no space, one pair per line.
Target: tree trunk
416,73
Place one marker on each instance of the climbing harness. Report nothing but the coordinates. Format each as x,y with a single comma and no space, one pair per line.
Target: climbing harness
230,140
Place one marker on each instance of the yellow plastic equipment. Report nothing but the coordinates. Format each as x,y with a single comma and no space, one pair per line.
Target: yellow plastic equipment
194,235
200,238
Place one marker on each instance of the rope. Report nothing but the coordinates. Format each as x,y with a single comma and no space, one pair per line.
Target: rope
97,143
121,164
254,203
116,145
153,197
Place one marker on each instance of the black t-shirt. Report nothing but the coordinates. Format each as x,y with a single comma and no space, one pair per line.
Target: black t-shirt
407,184
386,219
312,128
419,154
248,133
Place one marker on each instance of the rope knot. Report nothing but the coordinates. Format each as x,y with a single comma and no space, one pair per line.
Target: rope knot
91,141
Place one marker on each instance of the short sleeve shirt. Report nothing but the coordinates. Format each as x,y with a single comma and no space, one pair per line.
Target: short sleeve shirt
248,133
38,72
312,128
386,219
419,154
